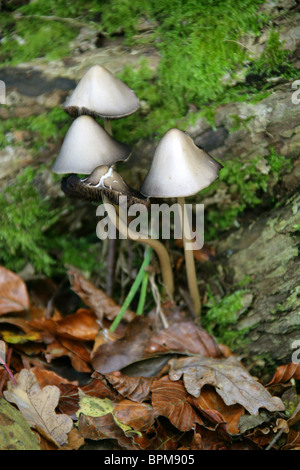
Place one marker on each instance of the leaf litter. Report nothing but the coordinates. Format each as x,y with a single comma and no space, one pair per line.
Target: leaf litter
144,387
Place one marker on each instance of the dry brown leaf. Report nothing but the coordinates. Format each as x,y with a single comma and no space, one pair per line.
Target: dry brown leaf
115,355
212,405
95,298
285,373
13,292
104,427
230,379
76,351
139,416
38,407
135,388
81,325
184,337
169,399
167,437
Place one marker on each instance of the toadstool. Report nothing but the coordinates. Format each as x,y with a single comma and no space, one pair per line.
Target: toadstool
180,169
86,146
100,94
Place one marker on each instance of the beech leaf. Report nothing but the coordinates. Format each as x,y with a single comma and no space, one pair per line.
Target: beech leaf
13,292
38,407
230,379
184,337
169,399
285,373
96,298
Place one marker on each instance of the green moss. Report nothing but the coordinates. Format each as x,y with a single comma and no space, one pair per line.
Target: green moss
220,318
274,60
25,217
34,38
28,232
44,127
247,187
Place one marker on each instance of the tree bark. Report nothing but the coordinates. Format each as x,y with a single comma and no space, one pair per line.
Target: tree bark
267,252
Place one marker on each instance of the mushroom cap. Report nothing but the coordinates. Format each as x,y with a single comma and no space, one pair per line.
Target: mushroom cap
86,146
104,180
179,168
101,94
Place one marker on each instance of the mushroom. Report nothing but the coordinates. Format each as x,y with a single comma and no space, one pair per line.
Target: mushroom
181,169
100,94
104,180
86,146
106,183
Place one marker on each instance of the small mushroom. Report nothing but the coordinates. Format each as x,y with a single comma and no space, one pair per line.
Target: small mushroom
86,146
106,183
104,180
100,94
180,169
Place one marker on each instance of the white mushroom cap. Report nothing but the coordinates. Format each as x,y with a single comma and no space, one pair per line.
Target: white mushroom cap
86,146
101,94
179,168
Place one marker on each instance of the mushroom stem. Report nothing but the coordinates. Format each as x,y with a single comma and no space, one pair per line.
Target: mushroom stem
107,126
189,259
156,245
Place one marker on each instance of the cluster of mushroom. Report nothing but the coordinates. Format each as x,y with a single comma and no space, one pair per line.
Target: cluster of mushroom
179,168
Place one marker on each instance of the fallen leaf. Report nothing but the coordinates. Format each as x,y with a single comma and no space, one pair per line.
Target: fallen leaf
184,337
293,441
212,405
76,351
95,298
97,420
14,338
75,441
167,437
138,416
15,432
104,427
230,379
38,407
2,351
285,373
169,399
135,388
115,355
81,325
13,292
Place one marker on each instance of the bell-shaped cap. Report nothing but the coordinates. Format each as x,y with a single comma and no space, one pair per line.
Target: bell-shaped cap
101,94
179,168
104,180
86,146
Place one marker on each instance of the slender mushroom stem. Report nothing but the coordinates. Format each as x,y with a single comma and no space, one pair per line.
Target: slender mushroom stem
189,259
112,243
158,247
107,126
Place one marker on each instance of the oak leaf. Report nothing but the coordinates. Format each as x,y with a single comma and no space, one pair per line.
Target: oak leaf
230,379
38,407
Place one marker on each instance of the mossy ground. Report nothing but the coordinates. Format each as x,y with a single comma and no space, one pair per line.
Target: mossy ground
198,42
